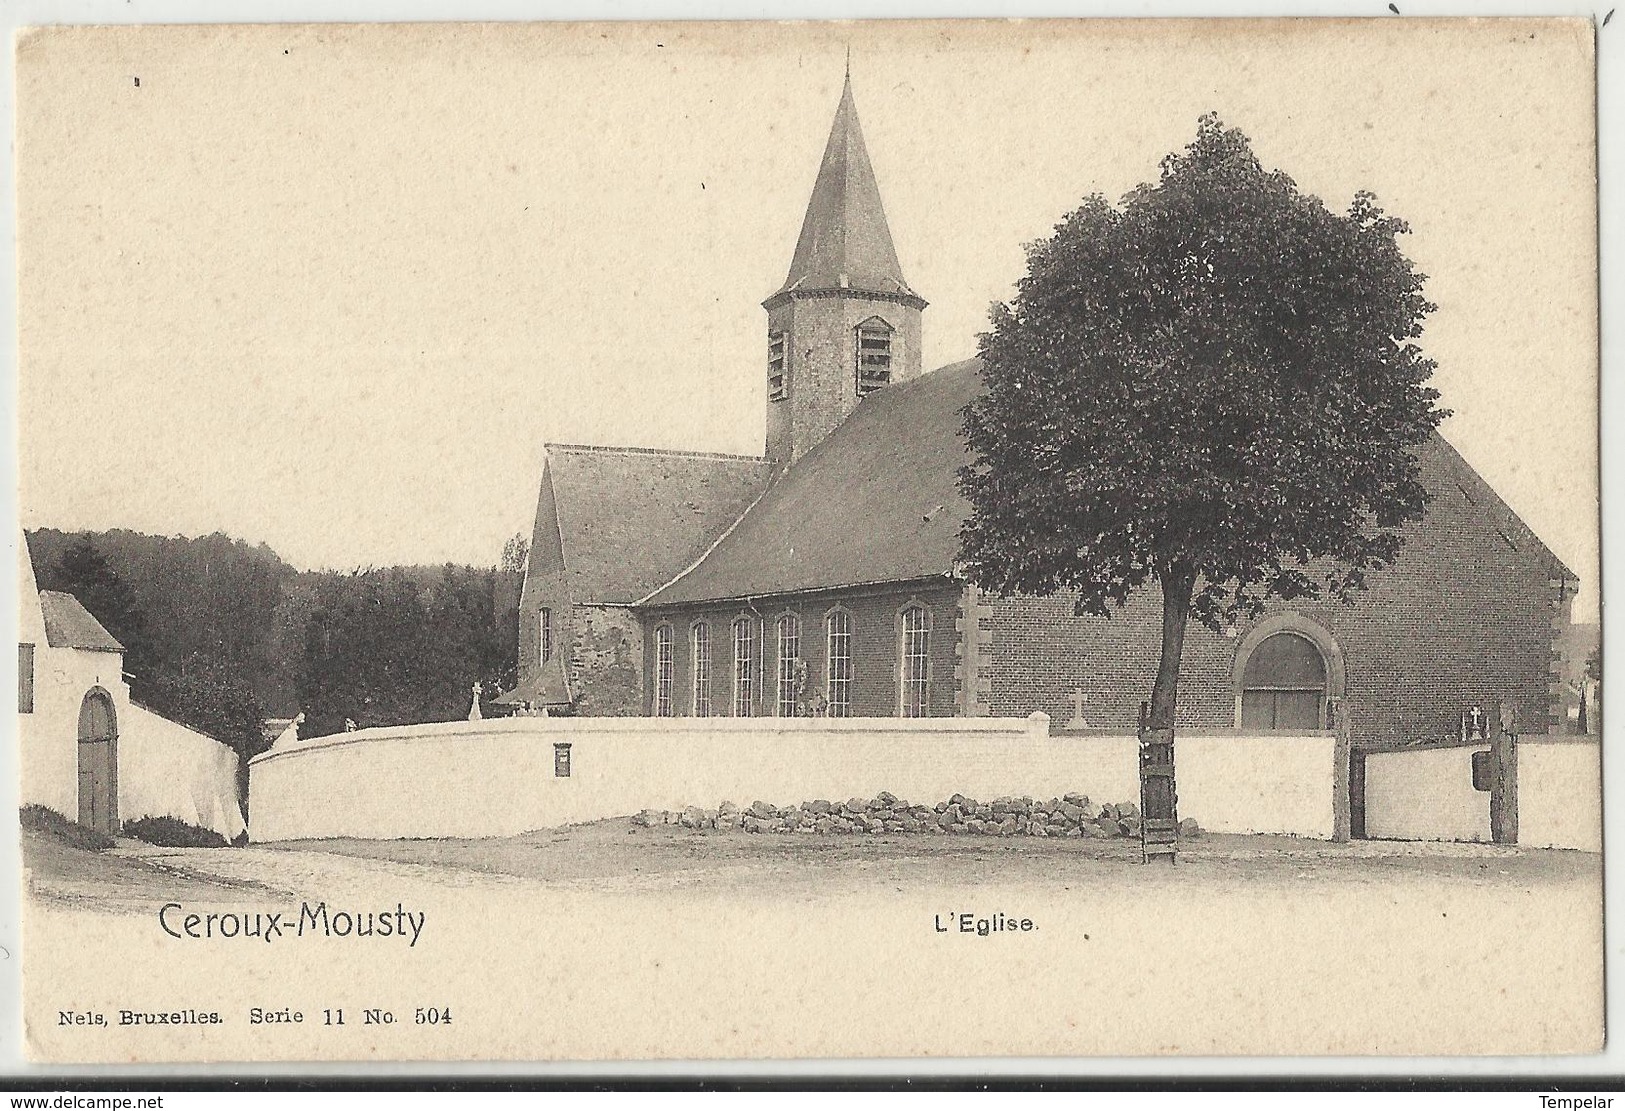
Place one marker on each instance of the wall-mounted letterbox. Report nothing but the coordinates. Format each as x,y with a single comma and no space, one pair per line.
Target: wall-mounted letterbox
1483,771
561,759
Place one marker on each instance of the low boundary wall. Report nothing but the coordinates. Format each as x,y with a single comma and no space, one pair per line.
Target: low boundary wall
1425,794
168,770
497,777
1560,793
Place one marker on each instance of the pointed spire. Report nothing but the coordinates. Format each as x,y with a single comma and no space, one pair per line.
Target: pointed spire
845,242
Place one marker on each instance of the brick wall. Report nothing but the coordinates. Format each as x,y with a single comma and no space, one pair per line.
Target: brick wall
874,624
1463,617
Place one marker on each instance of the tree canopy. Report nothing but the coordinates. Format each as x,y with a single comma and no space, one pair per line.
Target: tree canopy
220,634
384,649
83,571
1214,385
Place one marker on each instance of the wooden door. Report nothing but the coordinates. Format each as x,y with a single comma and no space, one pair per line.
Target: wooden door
98,763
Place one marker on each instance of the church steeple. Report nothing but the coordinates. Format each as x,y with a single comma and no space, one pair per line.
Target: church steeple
845,322
845,242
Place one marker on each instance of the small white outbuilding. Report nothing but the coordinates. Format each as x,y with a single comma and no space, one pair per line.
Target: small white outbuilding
84,749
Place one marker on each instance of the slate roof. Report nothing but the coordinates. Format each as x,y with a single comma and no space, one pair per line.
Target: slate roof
631,519
878,501
70,625
845,242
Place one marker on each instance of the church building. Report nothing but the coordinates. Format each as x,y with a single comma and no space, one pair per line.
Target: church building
820,577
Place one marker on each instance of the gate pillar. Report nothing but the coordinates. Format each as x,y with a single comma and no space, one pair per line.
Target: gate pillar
1504,784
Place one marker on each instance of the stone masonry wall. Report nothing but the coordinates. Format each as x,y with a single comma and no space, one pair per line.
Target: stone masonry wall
606,661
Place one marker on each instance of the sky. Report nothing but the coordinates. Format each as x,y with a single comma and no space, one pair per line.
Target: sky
332,288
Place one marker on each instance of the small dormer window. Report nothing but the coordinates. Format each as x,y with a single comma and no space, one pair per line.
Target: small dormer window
776,363
874,355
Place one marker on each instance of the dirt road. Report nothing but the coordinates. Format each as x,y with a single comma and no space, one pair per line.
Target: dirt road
600,942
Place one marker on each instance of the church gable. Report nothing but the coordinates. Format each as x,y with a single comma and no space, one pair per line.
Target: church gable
1450,469
630,519
612,524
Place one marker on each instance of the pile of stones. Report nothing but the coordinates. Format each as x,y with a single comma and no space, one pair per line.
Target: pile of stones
1072,815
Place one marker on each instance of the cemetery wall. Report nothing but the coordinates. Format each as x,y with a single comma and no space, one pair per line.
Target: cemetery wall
498,778
1560,793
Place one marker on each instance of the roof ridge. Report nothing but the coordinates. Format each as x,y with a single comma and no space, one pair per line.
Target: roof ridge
612,449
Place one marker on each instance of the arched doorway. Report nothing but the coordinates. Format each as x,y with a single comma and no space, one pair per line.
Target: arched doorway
1287,671
1283,686
98,762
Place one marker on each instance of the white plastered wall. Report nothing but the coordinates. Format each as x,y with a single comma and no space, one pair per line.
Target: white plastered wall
496,778
168,770
1425,795
1560,793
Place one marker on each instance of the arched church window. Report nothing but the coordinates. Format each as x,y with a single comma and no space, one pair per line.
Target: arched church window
789,658
838,663
744,631
777,363
1284,685
874,355
663,671
700,645
914,659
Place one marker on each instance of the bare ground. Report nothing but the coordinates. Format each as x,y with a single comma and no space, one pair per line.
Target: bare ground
125,877
614,855
607,940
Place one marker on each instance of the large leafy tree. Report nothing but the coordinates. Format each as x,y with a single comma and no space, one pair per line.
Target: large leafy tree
1214,387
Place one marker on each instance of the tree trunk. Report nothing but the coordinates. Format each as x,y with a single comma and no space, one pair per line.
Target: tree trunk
1176,606
1159,802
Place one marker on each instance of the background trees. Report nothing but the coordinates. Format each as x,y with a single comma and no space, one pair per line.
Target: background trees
1214,387
384,648
79,568
221,635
